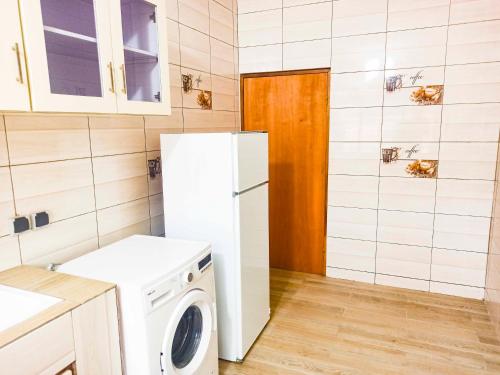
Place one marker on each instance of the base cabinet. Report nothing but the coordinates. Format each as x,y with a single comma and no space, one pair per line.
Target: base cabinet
45,351
84,341
95,328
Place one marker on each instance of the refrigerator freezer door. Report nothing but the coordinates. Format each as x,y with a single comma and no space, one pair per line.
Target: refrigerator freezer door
254,264
251,160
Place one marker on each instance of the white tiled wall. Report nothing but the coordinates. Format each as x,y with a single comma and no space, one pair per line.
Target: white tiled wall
385,226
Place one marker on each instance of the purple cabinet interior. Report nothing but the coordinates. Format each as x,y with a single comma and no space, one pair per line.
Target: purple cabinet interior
71,45
140,41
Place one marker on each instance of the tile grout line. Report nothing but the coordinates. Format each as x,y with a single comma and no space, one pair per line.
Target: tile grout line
93,183
439,143
147,173
492,217
380,144
13,194
180,63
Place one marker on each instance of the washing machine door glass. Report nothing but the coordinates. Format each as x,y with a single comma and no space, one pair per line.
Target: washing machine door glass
188,334
187,337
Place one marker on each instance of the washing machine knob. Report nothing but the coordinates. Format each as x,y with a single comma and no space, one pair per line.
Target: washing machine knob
188,277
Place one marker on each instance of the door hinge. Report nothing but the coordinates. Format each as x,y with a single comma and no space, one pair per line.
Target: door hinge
161,363
158,96
153,17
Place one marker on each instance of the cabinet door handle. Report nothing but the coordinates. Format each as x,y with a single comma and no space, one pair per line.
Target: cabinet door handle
124,76
112,76
15,48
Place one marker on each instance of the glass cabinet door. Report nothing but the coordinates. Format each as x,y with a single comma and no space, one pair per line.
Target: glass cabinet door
69,55
140,48
141,71
71,47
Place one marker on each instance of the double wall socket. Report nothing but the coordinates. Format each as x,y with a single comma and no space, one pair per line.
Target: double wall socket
22,224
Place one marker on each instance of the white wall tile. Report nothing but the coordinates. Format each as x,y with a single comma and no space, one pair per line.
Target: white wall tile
60,241
412,124
307,22
64,188
355,124
353,191
471,122
413,194
467,160
221,22
352,223
461,233
404,260
172,7
338,273
458,267
407,228
355,17
7,210
474,43
411,14
402,282
357,89
195,14
195,49
354,158
414,48
261,59
473,10
351,254
462,197
222,58
473,83
457,290
260,28
292,3
174,48
358,53
307,55
9,253
245,6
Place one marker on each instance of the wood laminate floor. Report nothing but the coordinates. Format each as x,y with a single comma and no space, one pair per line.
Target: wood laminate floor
328,326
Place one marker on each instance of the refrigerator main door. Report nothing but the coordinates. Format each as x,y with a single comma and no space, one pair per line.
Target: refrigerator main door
254,306
250,160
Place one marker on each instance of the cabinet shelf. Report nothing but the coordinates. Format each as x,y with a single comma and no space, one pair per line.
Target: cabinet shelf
64,43
139,55
69,34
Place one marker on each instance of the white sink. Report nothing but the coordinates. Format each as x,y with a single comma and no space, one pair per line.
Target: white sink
18,305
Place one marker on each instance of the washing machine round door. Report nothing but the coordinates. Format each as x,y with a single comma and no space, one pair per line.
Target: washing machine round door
188,334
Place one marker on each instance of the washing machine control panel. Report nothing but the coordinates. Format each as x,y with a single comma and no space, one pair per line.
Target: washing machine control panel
161,292
205,262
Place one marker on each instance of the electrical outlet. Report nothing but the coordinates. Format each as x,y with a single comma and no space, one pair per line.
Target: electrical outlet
40,219
20,224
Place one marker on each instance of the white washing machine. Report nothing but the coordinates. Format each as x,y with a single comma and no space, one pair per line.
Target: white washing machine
166,298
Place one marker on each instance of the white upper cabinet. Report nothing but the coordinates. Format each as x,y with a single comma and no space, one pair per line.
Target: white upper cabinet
14,95
81,59
139,35
70,61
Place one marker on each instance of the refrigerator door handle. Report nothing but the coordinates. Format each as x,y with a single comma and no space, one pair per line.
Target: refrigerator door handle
237,193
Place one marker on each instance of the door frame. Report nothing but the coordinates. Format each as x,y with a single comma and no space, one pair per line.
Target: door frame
327,153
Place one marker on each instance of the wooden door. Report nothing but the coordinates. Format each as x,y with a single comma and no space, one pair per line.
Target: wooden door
294,109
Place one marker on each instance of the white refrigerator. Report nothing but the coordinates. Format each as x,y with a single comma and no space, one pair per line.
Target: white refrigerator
215,188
